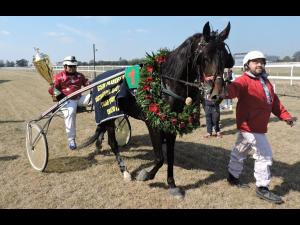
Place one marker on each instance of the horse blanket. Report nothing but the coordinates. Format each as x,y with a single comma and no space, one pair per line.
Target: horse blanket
104,96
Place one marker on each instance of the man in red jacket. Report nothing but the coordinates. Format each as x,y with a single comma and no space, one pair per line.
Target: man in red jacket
256,102
65,83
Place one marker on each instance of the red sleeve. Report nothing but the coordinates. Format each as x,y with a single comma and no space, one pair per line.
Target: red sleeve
234,89
279,110
56,81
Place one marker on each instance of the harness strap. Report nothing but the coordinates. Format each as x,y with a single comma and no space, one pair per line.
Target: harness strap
169,92
184,82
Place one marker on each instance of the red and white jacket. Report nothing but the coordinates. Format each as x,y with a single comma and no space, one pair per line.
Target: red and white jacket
253,111
68,83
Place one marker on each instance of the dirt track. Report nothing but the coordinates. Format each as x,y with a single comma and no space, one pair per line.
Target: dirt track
74,180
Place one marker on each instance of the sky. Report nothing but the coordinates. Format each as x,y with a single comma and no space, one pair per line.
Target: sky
131,37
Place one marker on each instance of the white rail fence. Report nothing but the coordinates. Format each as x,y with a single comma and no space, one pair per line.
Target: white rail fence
289,72
282,71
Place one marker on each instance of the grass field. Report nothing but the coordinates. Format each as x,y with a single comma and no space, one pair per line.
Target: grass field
74,179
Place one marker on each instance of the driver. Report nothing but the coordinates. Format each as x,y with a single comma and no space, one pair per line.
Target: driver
65,83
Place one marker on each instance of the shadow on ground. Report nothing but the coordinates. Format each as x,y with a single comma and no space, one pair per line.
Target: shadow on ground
12,121
189,156
69,164
3,81
195,156
9,157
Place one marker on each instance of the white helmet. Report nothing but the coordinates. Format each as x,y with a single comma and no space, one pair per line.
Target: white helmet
253,55
70,61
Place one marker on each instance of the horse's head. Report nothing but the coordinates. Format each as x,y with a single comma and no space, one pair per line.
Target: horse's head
212,56
201,57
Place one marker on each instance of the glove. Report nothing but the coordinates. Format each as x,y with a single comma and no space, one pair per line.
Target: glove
56,92
290,122
54,99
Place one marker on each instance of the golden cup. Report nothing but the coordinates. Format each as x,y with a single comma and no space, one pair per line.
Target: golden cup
43,65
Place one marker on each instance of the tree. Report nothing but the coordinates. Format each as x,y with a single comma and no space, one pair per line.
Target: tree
136,61
286,59
22,63
9,64
2,64
296,56
272,58
91,62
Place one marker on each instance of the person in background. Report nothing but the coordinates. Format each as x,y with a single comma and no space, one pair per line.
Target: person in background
228,75
256,102
212,115
65,83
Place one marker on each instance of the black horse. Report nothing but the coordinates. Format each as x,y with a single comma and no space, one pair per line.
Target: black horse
183,74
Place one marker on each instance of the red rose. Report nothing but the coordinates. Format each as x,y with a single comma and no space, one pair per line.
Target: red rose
191,119
160,59
146,88
149,69
182,125
149,79
153,107
174,121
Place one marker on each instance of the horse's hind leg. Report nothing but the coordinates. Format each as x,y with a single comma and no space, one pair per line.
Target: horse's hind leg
98,144
115,148
175,191
156,138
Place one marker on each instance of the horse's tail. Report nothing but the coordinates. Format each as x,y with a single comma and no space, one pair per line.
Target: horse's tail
92,139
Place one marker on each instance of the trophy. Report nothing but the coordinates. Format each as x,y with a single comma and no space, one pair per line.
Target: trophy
43,65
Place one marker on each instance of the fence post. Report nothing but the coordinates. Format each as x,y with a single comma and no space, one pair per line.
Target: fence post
292,70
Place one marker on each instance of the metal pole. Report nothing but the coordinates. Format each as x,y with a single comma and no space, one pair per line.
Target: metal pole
292,70
94,61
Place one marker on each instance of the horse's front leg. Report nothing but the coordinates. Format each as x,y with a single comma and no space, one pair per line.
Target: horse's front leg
115,148
156,139
175,191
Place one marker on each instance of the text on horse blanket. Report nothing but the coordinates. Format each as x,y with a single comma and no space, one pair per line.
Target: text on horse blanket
104,96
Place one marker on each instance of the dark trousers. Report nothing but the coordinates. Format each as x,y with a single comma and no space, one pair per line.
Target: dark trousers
212,114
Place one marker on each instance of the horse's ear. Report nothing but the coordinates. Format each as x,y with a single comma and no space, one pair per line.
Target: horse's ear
206,32
224,34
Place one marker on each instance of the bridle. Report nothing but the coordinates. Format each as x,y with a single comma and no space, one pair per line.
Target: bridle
197,83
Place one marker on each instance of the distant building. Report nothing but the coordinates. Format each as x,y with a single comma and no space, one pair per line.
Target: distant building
238,58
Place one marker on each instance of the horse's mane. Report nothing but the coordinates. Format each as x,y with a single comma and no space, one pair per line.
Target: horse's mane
177,61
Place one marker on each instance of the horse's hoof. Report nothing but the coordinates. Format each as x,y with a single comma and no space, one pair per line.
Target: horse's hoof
143,175
177,193
127,176
97,151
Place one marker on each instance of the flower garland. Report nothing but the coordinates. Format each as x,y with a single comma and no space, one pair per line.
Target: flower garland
158,112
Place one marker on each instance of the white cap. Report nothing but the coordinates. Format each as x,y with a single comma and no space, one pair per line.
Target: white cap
70,61
253,55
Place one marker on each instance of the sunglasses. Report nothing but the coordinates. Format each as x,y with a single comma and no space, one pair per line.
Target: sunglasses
72,66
